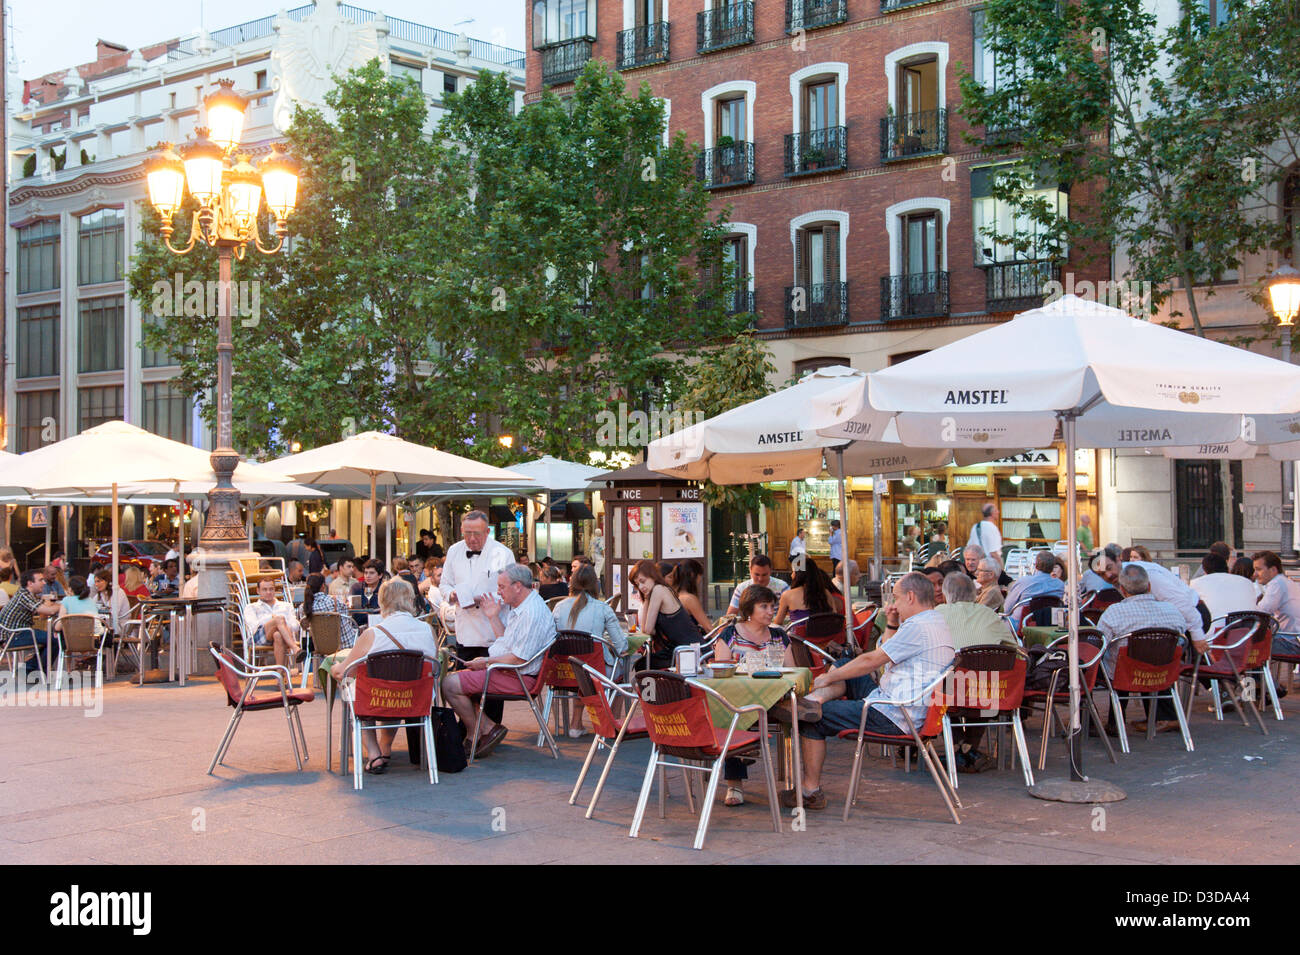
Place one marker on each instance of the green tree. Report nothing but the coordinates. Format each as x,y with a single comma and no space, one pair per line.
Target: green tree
1169,136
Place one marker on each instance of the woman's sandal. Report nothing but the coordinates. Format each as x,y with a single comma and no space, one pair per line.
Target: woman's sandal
380,769
735,797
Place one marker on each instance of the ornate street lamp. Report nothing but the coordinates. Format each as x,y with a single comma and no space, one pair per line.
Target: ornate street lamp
229,193
1284,295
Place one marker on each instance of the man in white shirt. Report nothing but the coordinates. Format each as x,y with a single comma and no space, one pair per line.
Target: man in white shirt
469,571
760,573
798,551
1221,592
985,533
268,621
1281,599
1164,585
519,634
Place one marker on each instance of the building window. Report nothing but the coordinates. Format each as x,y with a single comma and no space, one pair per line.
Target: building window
38,256
917,286
808,365
38,341
449,85
1218,11
159,357
818,296
97,405
991,216
100,334
166,411
1291,213
995,71
99,247
259,81
407,71
555,21
38,416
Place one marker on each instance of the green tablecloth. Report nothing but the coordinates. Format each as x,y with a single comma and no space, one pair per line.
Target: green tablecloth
635,641
1041,635
745,690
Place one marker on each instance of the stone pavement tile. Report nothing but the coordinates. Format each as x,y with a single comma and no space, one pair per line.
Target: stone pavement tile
378,845
96,845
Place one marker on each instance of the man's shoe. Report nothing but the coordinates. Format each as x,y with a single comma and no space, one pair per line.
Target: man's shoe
808,711
1168,726
814,800
492,740
1140,727
976,762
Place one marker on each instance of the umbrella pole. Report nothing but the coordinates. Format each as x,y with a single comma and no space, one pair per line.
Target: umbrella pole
115,536
1078,788
180,571
49,528
373,548
844,556
877,532
388,530
548,523
250,525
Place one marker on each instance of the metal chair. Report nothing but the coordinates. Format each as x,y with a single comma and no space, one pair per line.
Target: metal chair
395,689
595,692
527,686
1148,667
921,738
557,677
324,630
230,670
1092,649
80,635
681,727
990,679
810,656
18,642
1244,645
821,629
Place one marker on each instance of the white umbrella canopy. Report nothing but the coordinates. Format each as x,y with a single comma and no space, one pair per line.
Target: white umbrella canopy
1108,379
373,460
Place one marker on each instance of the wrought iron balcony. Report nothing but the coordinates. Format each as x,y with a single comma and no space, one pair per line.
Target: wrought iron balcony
1009,131
919,295
738,301
731,24
1015,286
913,134
642,46
821,150
724,166
810,14
812,306
889,6
562,62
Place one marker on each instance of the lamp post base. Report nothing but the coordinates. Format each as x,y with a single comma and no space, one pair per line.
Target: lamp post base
1077,791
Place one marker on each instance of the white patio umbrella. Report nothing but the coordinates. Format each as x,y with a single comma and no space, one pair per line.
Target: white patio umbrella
769,440
552,474
109,456
373,459
1108,379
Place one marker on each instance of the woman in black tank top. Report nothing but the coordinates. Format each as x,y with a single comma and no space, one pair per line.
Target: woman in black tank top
662,615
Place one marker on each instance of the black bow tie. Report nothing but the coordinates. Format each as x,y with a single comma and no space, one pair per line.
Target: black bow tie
472,553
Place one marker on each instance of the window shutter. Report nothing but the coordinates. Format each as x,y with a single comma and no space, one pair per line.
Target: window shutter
831,249
800,259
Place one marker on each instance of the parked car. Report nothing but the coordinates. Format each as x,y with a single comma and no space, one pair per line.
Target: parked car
138,553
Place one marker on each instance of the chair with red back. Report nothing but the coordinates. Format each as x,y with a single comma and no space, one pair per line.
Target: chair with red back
863,618
921,738
681,728
595,692
525,693
1147,667
1092,649
820,629
230,670
556,675
1095,604
1241,648
395,690
807,654
991,681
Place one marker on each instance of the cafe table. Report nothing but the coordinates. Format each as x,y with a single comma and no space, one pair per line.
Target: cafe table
179,613
742,690
1040,636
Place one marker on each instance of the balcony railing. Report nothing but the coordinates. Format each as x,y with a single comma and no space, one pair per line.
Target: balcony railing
731,24
726,166
562,62
889,6
1015,286
739,301
913,134
811,306
820,150
919,295
810,14
1010,131
642,46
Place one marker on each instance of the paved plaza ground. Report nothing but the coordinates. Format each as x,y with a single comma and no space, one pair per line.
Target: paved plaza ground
130,786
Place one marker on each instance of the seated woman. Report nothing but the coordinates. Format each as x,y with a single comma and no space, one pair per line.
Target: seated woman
397,630
986,577
585,611
553,584
134,585
79,601
316,599
662,615
685,581
753,631
810,592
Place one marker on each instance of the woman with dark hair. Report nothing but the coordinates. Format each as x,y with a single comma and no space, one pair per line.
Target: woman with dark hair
316,599
553,584
583,610
315,559
1244,567
685,581
811,591
662,615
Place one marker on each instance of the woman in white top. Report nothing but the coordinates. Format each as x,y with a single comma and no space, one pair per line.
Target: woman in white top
397,630
584,610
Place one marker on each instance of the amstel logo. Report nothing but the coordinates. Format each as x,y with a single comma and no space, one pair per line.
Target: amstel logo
980,436
1188,397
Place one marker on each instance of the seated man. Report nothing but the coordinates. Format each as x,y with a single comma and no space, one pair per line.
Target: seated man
1164,585
271,622
51,585
913,651
971,558
1281,598
855,574
16,617
1040,583
521,632
970,624
1137,610
367,588
1221,592
760,573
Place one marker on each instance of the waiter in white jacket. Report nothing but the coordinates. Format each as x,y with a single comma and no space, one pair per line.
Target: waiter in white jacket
470,570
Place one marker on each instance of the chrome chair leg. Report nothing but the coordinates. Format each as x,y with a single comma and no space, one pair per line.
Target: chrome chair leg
644,796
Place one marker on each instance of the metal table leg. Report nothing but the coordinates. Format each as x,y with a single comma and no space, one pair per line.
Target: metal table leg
796,747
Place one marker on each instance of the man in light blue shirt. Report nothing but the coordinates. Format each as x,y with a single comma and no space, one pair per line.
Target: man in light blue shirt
1040,583
837,542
